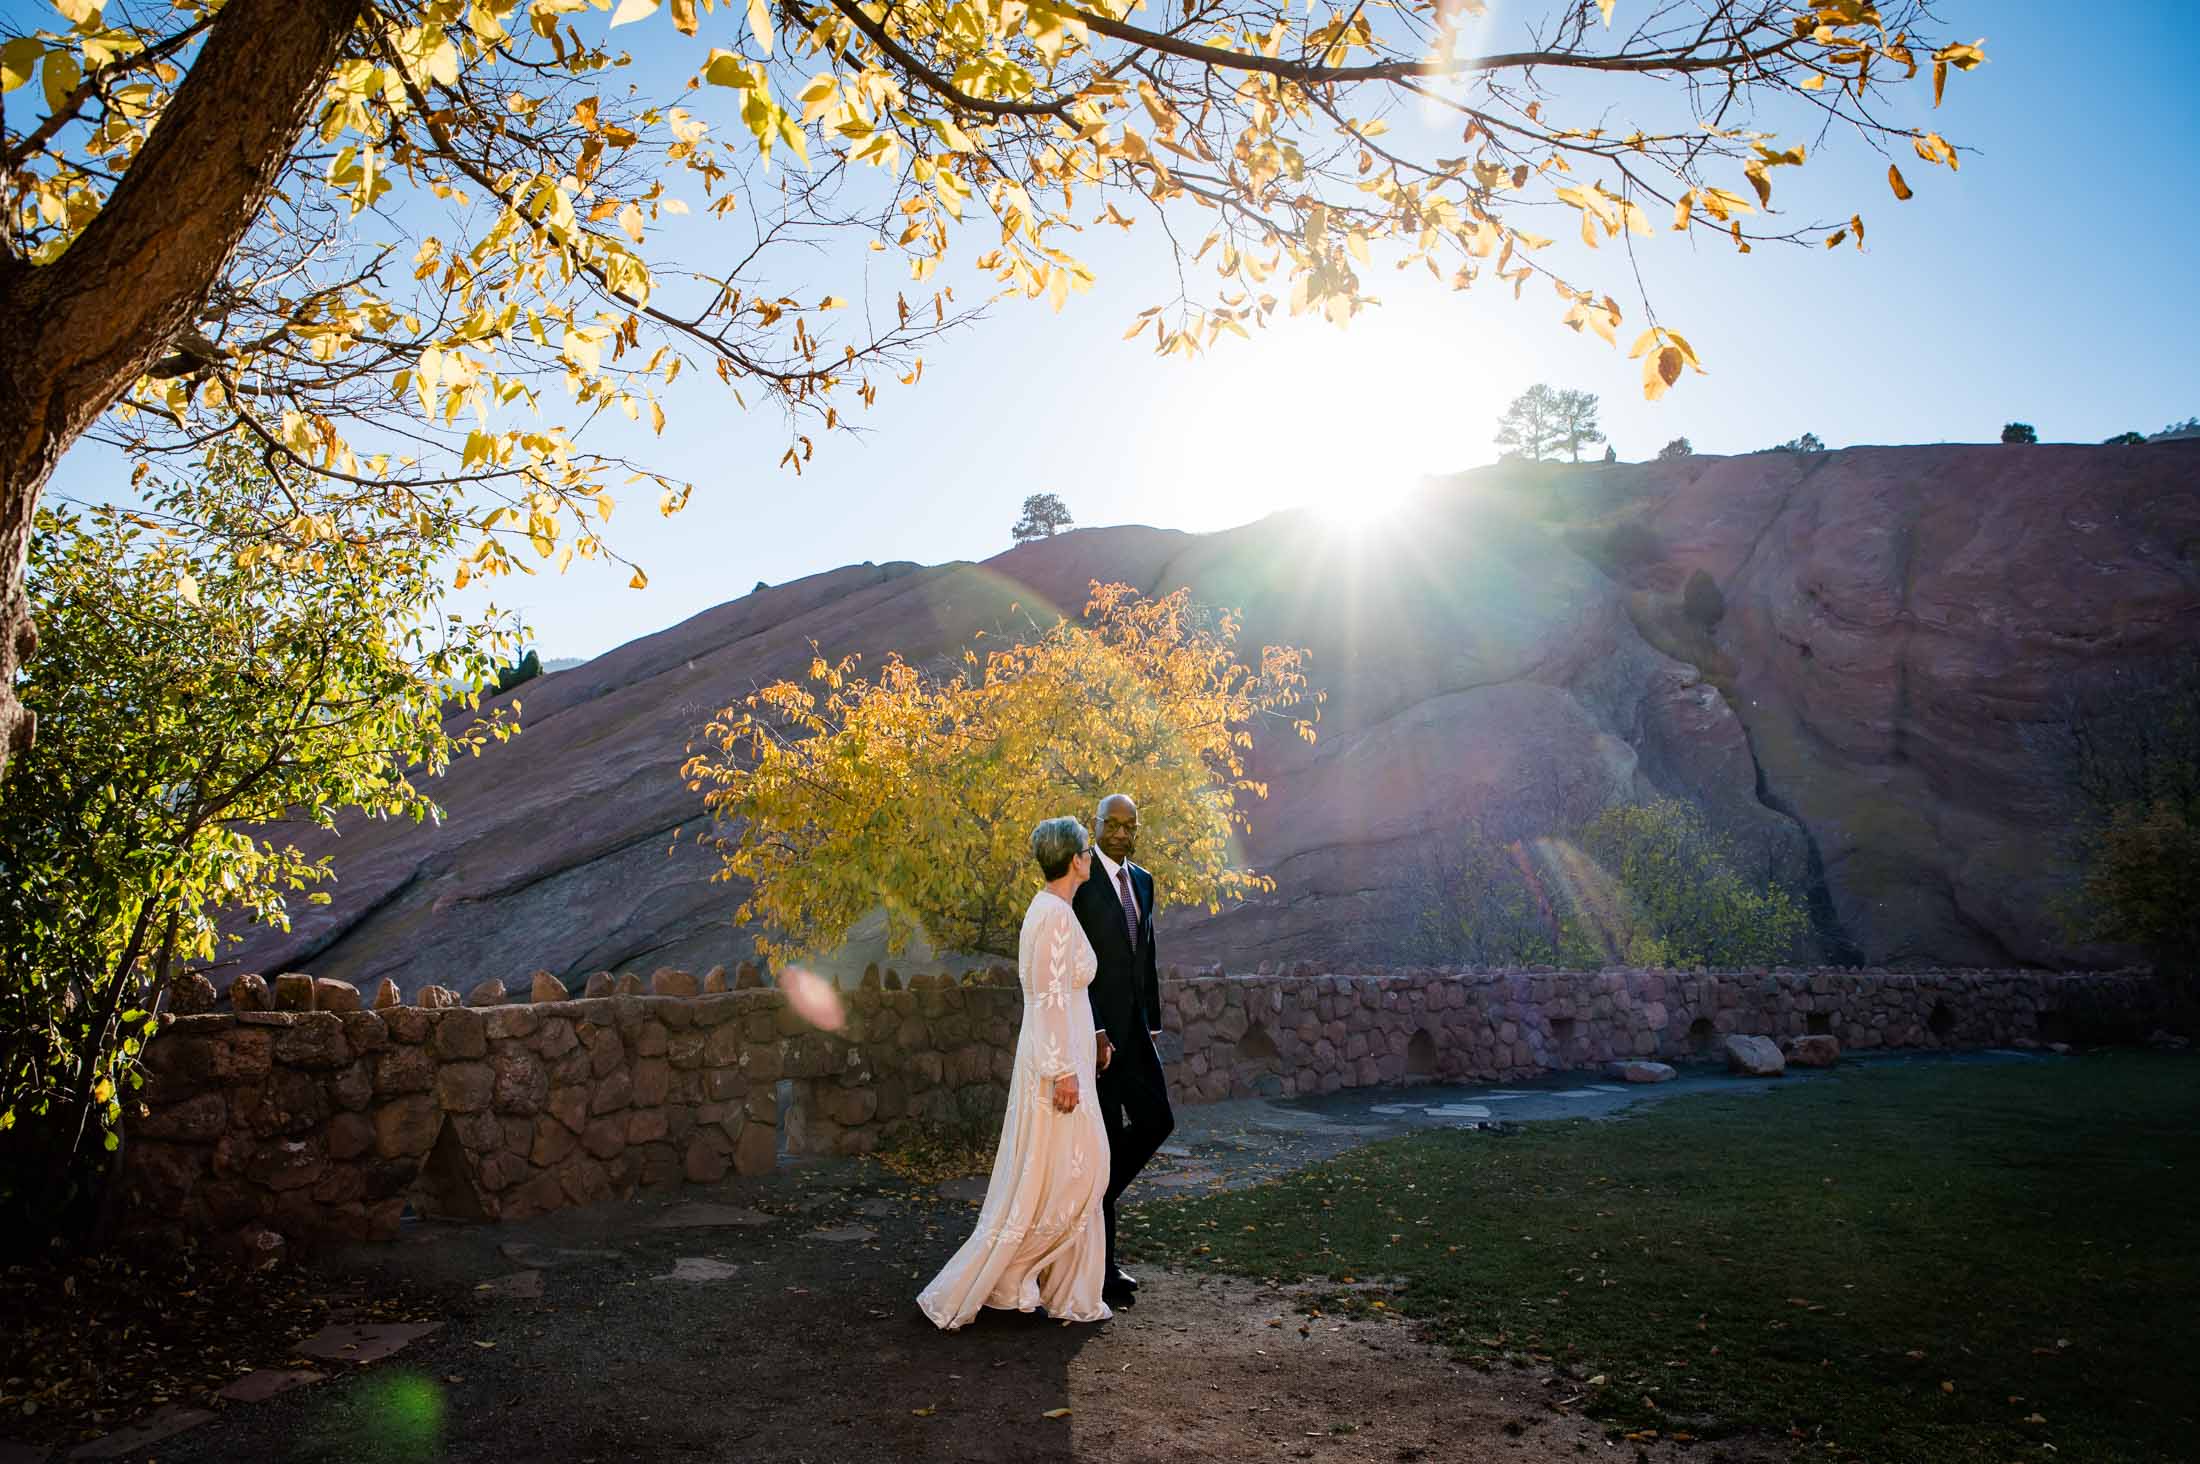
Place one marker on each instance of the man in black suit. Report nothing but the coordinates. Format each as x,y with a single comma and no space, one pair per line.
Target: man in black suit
1115,907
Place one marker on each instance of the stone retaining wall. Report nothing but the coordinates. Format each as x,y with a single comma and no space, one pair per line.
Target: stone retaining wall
327,1120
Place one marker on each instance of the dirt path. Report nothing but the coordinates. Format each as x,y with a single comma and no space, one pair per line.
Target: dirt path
573,1338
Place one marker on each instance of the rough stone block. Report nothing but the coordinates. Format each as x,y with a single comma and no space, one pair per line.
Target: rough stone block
386,995
543,986
333,995
670,981
404,1070
1754,1057
515,1023
406,1024
437,998
294,992
405,1127
487,992
613,1092
465,1087
460,1035
314,1040
522,1086
1821,1051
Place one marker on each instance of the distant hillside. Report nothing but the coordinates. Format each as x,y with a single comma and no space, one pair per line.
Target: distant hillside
1510,656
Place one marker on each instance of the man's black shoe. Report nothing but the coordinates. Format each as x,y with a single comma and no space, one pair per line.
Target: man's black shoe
1122,1278
1117,1295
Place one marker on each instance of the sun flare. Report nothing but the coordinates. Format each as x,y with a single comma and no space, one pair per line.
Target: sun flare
1344,424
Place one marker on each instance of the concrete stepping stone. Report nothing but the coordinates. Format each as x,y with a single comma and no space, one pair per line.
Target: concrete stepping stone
164,1422
1174,1151
1182,1178
549,1258
970,1187
519,1286
844,1234
1396,1110
698,1268
361,1343
702,1215
1460,1110
879,1209
263,1383
1580,1093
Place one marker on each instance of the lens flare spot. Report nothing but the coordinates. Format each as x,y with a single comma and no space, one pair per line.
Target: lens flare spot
814,999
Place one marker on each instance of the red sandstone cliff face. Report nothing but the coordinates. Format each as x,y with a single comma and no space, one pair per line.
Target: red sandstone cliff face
1857,720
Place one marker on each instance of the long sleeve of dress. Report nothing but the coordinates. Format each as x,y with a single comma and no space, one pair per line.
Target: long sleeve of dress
1051,995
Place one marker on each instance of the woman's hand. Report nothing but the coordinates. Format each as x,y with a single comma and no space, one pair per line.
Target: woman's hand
1065,1093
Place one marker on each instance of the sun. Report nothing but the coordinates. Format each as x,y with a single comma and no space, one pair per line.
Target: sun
1344,424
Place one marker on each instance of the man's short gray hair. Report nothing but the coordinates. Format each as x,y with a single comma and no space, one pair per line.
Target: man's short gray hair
1056,842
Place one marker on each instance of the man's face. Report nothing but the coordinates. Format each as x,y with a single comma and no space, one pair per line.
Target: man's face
1118,828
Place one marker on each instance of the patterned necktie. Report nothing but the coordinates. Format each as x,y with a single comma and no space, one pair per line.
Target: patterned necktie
1130,902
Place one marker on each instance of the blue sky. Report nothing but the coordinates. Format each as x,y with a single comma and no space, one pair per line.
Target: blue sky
2046,282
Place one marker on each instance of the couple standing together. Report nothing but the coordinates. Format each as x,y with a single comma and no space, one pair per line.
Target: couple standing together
1087,1105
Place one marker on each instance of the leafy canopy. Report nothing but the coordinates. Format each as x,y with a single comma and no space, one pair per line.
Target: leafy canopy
202,679
917,793
1640,885
1044,515
476,250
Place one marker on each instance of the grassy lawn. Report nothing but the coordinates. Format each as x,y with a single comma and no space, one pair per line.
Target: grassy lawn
1905,1262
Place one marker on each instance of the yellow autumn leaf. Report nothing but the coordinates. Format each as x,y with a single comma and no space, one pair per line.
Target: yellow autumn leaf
630,11
1894,181
639,582
188,587
760,24
1058,1412
19,60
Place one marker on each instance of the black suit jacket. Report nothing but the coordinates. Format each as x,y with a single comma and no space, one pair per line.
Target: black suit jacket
1126,990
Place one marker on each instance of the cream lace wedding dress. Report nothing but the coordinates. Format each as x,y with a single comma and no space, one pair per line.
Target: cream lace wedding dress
1039,1241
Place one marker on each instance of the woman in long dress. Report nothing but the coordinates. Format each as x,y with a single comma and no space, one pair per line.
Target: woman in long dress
1039,1240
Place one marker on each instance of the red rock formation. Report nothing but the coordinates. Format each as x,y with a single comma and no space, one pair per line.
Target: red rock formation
1895,618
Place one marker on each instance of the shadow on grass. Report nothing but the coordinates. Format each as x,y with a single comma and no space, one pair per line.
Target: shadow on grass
1923,1262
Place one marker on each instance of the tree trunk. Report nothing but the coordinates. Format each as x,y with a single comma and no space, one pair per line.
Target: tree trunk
82,329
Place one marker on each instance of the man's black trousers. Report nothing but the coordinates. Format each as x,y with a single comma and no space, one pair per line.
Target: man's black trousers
1134,1104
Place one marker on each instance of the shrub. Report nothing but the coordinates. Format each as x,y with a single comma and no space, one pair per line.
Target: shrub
1678,448
1701,598
526,669
2019,433
1808,442
1646,885
204,673
1485,903
2129,751
1681,897
2140,884
2126,439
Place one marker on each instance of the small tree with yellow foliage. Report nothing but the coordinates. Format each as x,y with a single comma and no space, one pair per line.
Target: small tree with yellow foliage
838,795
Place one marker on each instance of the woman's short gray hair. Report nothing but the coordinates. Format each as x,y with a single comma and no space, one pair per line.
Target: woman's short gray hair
1056,842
